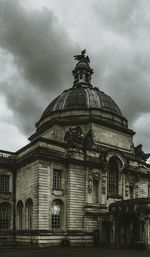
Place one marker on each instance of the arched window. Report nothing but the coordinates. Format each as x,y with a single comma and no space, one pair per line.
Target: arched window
5,215
29,213
112,178
20,214
56,214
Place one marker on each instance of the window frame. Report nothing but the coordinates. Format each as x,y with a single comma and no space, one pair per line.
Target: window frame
57,179
113,179
20,208
5,216
4,183
57,219
29,214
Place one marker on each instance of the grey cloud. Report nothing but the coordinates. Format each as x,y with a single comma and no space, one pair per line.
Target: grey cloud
124,17
43,55
124,60
120,56
41,47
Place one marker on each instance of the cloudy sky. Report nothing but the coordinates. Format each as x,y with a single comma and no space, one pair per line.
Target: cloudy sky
38,39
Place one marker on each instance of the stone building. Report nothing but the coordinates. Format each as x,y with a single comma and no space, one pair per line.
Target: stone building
80,180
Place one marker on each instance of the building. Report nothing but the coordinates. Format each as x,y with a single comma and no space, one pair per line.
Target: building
80,180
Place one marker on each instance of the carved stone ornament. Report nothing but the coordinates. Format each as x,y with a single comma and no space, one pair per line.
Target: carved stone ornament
103,183
126,187
131,181
90,183
75,137
88,139
96,176
82,71
103,160
139,154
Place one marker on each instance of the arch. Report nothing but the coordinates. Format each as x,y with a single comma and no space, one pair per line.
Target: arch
113,173
29,213
5,215
57,210
20,215
116,155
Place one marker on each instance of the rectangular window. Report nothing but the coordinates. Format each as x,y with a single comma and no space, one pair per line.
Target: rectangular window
55,221
4,184
112,186
57,179
148,190
95,191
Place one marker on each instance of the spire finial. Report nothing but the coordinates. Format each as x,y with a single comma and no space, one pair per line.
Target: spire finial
82,72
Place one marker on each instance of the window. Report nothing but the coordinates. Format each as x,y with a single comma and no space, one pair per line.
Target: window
5,209
95,191
29,213
4,184
112,178
56,214
148,190
57,179
20,214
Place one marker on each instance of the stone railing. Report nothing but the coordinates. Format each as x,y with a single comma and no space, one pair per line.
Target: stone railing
133,206
7,155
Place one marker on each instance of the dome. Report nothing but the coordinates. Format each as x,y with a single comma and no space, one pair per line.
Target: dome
82,98
82,101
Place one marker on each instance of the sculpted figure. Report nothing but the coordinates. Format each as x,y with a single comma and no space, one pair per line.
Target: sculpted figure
140,154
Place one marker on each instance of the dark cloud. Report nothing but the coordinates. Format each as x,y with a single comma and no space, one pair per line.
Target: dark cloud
124,59
117,37
42,55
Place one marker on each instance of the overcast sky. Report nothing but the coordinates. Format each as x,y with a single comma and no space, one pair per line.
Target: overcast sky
38,39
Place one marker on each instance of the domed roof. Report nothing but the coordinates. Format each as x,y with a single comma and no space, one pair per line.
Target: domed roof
80,97
82,101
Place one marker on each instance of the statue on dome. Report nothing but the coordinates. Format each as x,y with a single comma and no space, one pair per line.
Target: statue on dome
82,72
82,57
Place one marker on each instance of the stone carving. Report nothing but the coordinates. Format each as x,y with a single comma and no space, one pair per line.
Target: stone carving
102,157
82,71
103,160
81,57
96,176
74,137
103,183
90,183
131,181
126,187
139,154
88,139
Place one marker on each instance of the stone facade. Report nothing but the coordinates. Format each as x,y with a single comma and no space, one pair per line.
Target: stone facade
80,181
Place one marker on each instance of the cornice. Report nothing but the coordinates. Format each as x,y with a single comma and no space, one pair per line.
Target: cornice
77,121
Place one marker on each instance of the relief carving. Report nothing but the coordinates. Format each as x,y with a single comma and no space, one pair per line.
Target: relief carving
96,176
75,137
104,183
90,183
88,139
131,181
139,154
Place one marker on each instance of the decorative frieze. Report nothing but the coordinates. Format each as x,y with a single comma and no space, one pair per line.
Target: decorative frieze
74,137
92,176
90,183
139,154
104,183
